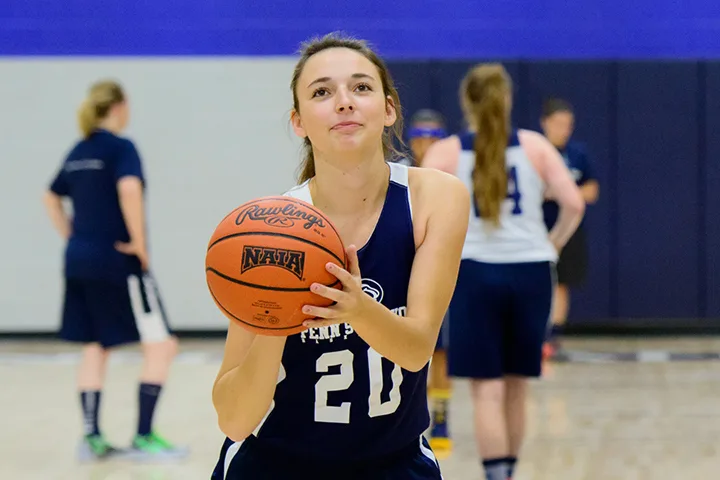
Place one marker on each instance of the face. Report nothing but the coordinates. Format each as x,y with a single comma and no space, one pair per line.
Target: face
122,113
420,145
558,127
341,103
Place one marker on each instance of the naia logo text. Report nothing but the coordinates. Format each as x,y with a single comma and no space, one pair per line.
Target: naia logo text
283,217
344,330
291,260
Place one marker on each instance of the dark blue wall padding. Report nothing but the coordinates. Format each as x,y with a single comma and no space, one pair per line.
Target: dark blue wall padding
658,217
414,83
598,29
710,205
653,131
588,87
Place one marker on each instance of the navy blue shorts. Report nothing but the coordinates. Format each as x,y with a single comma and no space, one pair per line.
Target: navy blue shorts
500,315
251,459
113,314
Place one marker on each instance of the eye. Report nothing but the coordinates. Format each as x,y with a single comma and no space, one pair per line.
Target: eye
320,92
364,87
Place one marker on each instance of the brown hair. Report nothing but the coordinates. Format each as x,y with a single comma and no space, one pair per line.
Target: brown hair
484,96
101,98
336,40
554,105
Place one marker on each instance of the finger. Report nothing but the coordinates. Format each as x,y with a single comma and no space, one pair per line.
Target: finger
353,262
319,323
343,275
123,247
330,293
320,312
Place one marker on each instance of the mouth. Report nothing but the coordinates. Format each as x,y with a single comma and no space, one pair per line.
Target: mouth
346,126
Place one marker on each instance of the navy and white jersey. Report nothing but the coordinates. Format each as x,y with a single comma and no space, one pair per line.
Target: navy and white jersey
89,176
522,235
336,397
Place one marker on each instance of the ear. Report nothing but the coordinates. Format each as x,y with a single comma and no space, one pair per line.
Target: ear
297,124
390,111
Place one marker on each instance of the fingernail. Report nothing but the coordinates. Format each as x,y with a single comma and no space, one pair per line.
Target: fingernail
306,309
330,266
315,287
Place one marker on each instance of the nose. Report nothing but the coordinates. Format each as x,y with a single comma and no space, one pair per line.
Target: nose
344,102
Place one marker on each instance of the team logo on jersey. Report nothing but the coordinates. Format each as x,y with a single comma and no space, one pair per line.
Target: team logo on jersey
373,288
291,260
283,217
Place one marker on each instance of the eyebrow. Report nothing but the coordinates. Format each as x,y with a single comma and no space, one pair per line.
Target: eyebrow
327,79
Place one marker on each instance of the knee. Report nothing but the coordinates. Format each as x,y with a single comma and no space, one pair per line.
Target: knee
95,351
166,349
172,347
488,391
516,388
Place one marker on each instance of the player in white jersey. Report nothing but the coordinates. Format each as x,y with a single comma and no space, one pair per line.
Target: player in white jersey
501,306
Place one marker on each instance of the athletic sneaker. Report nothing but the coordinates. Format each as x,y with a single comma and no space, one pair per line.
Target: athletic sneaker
154,447
440,441
95,447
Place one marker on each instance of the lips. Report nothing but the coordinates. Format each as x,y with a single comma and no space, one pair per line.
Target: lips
346,125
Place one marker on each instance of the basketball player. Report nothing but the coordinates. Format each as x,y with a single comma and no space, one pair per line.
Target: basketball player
110,296
558,120
346,399
501,305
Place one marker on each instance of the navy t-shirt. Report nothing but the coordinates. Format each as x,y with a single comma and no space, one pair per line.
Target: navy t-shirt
581,169
89,176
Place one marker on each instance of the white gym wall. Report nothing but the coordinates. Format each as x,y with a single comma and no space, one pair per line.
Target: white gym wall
213,133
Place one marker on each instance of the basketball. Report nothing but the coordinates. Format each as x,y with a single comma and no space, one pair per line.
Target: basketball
262,259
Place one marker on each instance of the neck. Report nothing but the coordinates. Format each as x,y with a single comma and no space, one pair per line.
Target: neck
110,125
349,185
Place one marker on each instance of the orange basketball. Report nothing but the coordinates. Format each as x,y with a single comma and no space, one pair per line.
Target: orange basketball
264,256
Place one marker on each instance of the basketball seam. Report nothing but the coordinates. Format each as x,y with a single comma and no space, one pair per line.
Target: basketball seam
264,287
276,234
297,202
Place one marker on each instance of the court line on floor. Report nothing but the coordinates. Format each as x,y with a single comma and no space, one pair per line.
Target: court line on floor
207,358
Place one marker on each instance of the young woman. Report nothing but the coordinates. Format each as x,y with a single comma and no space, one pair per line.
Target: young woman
354,407
501,306
110,296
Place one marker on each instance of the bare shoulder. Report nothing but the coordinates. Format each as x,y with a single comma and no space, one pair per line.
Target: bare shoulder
533,139
443,154
436,195
434,184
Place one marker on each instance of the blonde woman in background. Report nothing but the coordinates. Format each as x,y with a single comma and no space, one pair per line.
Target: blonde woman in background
110,296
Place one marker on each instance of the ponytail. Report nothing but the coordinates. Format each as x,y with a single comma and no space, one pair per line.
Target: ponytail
93,110
486,90
87,121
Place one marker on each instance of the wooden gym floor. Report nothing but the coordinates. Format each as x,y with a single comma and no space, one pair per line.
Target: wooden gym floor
619,409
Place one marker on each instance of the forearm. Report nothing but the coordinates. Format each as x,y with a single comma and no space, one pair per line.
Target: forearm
404,341
243,394
565,226
56,212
